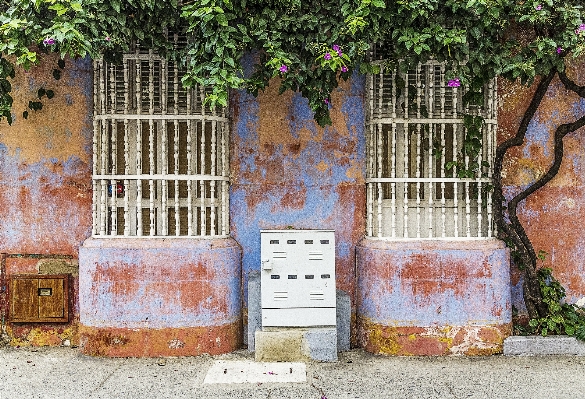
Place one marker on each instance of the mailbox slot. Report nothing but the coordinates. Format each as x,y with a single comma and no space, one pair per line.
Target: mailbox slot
39,298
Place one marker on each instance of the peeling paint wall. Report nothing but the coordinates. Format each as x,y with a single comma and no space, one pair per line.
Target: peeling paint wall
180,295
45,184
554,216
287,172
433,297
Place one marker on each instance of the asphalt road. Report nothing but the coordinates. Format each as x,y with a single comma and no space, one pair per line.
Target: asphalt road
65,373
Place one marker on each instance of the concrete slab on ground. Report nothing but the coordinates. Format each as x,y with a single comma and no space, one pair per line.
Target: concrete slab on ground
542,346
247,371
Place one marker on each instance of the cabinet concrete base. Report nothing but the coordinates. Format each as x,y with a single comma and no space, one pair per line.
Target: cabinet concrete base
296,344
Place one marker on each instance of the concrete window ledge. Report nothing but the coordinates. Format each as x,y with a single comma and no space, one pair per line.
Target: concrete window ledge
540,346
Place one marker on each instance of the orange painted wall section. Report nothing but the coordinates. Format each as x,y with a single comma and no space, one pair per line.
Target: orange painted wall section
554,216
45,186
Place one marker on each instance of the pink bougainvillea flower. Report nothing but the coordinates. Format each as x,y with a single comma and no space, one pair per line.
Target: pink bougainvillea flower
108,38
344,69
559,50
327,56
49,41
326,101
538,7
283,68
337,49
454,83
580,29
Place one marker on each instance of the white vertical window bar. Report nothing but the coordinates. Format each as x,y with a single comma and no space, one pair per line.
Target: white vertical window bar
138,93
393,156
212,171
189,169
418,146
455,148
104,152
151,142
164,150
189,182
491,139
203,167
467,188
225,173
430,80
126,150
443,150
96,129
370,154
176,146
405,158
114,153
379,170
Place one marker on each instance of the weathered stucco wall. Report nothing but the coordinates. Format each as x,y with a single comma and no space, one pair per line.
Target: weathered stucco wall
554,216
433,297
45,184
287,172
160,297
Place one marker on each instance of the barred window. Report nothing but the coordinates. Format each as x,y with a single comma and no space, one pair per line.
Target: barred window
415,129
160,164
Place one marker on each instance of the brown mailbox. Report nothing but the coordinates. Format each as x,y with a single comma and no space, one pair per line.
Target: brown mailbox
39,298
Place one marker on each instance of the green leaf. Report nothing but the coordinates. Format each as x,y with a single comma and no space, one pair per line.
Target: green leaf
115,5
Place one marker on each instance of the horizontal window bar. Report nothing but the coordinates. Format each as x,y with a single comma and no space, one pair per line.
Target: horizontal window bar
168,177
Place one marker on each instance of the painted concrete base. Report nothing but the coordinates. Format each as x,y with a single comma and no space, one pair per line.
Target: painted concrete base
433,297
191,341
255,314
432,341
540,346
296,344
159,297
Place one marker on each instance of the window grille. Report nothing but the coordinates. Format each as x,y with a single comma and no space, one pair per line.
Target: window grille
415,129
160,165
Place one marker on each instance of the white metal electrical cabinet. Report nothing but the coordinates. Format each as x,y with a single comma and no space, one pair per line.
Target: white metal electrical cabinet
298,278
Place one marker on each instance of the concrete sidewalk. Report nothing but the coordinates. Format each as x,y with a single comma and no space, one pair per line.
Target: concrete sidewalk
64,373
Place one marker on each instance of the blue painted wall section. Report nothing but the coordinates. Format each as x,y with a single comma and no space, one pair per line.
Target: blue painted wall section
290,173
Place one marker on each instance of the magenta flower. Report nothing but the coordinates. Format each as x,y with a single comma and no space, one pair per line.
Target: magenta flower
580,29
538,7
344,69
326,101
108,38
49,41
454,83
559,50
335,47
327,56
283,68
